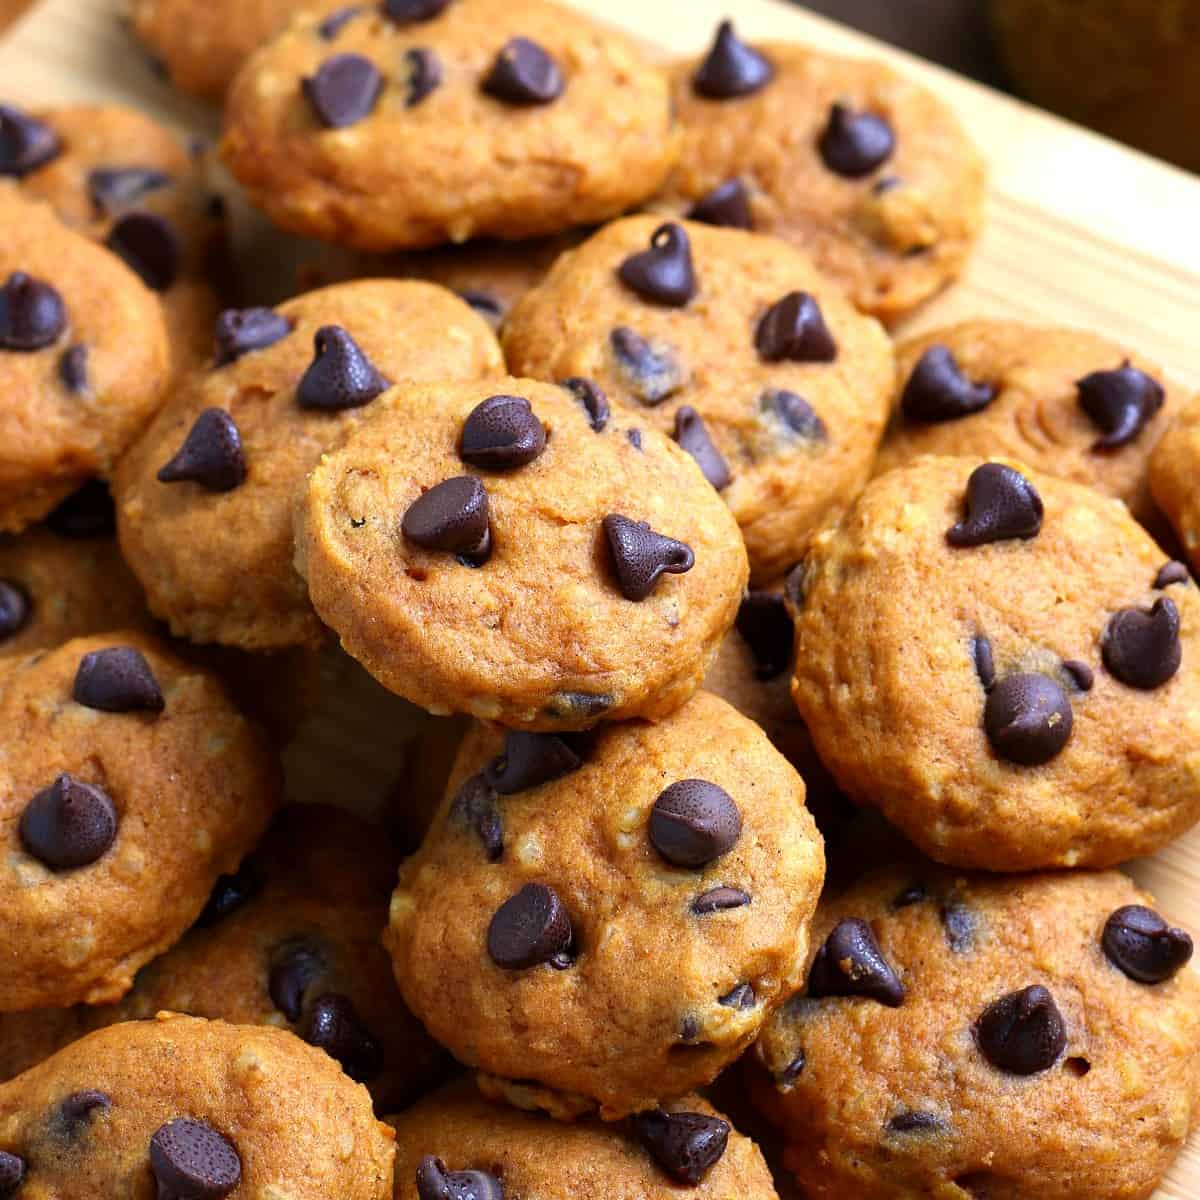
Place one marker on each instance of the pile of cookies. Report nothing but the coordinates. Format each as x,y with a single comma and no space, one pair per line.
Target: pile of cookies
793,693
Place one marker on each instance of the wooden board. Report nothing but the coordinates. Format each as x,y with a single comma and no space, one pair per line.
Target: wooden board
1080,231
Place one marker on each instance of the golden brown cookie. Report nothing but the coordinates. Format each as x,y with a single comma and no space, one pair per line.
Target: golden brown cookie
1173,471
964,1036
180,1107
997,660
129,784
855,164
735,345
211,542
608,919
498,549
411,125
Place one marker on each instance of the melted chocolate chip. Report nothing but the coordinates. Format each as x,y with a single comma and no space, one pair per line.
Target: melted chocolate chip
1001,504
453,517
424,74
229,893
693,823
651,372
985,665
297,964
727,205
1172,573
150,246
529,929
117,680
524,74
87,512
916,1122
641,556
937,390
1142,945
340,375
1142,649
501,433
434,1182
211,455
69,824
731,68
663,274
850,963
1081,675
15,609
578,704
741,997
692,435
474,806
593,400
794,329
335,1026
1022,1033
958,920
529,760
409,12
25,143
12,1173
719,899
1120,403
686,1145
32,314
77,1110
241,330
73,368
114,189
343,91
765,626
1027,719
337,20
192,1161
854,144
795,414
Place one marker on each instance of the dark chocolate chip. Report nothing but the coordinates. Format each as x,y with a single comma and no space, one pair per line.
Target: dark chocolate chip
794,329
594,401
211,455
297,964
73,368
340,375
937,390
651,372
663,274
529,929
524,73
32,313
1142,649
686,1145
77,1109
727,205
452,516
792,1070
578,704
15,609
229,893
766,627
694,822
114,189
474,806
149,245
796,414
1172,573
692,436
634,438
343,91
1001,504
12,1173
850,963
1120,403
25,143
1142,945
424,74
740,997
719,899
985,664
409,12
529,760
641,556
335,1026
689,1030
916,1122
914,893
434,1182
337,20
1022,1033
958,920
854,144
1081,675
69,824
117,679
731,68
502,433
241,330
485,304
87,512
192,1161
1028,719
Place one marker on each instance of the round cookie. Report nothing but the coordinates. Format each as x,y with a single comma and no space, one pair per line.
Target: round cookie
855,164
498,549
608,920
401,129
1063,401
968,1036
735,345
1172,478
999,662
537,1158
180,1107
83,360
129,784
212,544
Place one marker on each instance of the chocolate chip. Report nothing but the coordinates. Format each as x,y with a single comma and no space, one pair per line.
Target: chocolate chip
766,627
229,893
484,303
694,822
719,899
914,893
916,1122
87,512
731,68
25,143
663,274
211,455
937,390
451,516
192,1161
69,824
424,70
78,1108
854,144
795,413
1022,1033
434,1182
114,189
958,920
335,1027
337,20
15,609
1139,942
594,401
149,245
727,205
241,330
741,997
409,12
641,556
794,329
1081,675
985,665
340,375
692,436
118,680
343,91
529,929
850,963
529,760
651,372
73,368
297,964
792,1070
524,73
12,1173
1001,504
1142,649
1119,403
1172,573
686,1145
634,438
579,704
501,433
474,806
1028,719
32,313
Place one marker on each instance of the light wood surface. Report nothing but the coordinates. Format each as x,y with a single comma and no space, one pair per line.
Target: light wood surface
1080,231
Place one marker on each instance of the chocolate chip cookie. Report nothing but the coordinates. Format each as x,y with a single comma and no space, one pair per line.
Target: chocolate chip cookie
1173,468
1005,664
733,344
129,783
408,125
518,552
966,1036
860,167
204,498
608,920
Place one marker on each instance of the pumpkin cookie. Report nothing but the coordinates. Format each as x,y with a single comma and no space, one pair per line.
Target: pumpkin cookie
1173,469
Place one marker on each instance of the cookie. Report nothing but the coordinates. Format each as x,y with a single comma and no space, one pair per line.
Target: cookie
83,360
1063,401
608,920
1172,475
732,343
129,783
500,549
997,661
413,125
180,1107
456,1137
860,167
204,497
968,1036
